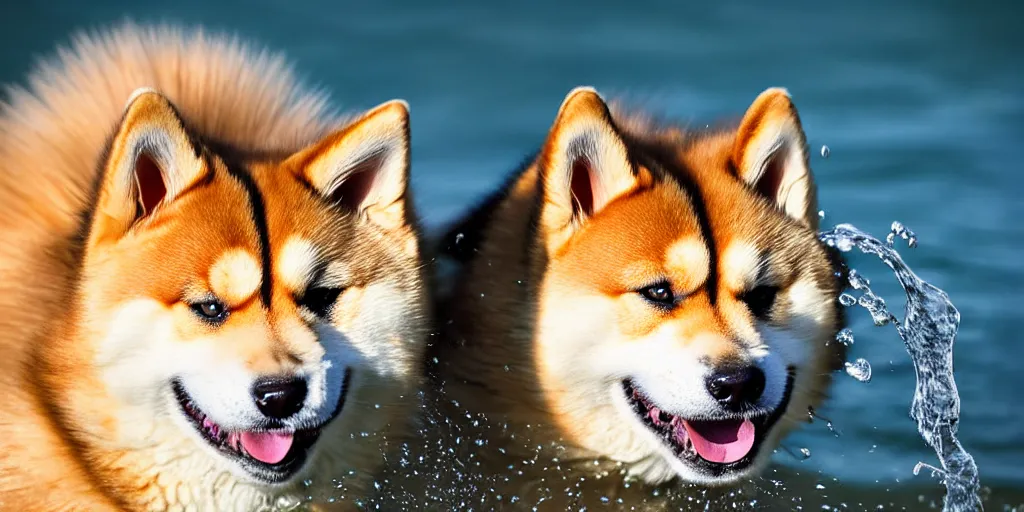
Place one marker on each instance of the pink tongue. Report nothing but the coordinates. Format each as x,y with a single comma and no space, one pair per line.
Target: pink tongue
267,447
721,441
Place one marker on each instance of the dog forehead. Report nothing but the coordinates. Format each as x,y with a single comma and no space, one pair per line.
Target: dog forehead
639,238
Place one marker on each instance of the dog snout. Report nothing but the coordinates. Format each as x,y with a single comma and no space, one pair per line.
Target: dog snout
736,387
279,397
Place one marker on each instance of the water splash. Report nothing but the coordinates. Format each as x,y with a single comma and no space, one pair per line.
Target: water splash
928,332
899,230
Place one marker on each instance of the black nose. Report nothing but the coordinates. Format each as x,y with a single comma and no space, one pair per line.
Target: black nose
278,397
736,387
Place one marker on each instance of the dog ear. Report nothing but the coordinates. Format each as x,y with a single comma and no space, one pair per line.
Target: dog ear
364,167
151,160
584,164
770,154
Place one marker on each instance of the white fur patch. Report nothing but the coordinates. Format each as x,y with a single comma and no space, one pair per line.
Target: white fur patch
740,264
296,262
235,276
691,254
808,302
384,309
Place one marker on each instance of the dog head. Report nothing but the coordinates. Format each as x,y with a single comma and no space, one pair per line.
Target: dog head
687,310
249,312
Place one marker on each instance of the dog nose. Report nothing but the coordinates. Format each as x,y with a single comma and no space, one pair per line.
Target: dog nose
278,397
735,387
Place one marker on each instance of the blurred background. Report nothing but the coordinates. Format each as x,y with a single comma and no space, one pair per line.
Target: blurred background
920,104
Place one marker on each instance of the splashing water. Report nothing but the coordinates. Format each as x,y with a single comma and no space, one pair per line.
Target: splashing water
928,332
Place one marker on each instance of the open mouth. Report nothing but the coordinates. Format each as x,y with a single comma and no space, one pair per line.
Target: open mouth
270,454
714,446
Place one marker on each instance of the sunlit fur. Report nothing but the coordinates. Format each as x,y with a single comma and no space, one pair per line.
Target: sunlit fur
544,320
264,195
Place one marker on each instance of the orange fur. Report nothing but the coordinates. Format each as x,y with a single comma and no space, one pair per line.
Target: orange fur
121,220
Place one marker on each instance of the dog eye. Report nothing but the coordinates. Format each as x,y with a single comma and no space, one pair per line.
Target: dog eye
320,300
211,311
760,299
659,294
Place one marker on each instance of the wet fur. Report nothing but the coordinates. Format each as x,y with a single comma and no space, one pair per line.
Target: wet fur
511,424
68,441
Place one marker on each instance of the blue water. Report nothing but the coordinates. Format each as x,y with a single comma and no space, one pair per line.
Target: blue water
920,103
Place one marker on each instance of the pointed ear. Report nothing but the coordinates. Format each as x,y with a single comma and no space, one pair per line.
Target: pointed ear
770,154
584,163
364,167
151,160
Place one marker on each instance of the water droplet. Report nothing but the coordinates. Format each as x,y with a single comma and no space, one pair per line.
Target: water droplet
459,237
832,428
821,214
819,487
376,406
847,300
845,337
876,306
825,152
806,452
860,369
858,281
507,369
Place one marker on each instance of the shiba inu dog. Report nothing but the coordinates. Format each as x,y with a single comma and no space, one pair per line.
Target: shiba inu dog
210,287
642,299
